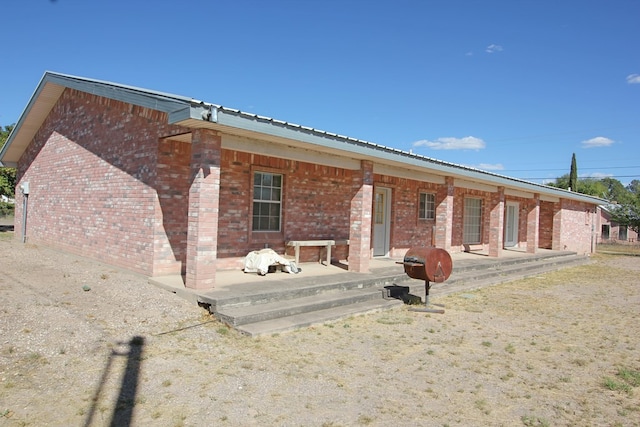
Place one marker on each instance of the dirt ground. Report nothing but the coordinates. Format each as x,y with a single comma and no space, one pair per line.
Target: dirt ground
85,344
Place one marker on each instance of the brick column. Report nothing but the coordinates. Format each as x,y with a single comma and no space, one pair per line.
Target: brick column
204,201
360,219
556,241
496,223
444,215
533,225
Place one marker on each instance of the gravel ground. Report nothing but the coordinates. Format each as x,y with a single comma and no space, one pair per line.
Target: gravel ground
85,344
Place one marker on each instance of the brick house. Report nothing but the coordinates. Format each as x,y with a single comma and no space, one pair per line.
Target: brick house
162,184
611,231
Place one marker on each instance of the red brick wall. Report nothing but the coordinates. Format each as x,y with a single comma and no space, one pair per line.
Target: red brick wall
407,230
576,227
316,202
91,169
547,210
458,215
106,183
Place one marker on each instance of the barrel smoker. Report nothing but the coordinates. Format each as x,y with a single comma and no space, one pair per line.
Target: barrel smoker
431,265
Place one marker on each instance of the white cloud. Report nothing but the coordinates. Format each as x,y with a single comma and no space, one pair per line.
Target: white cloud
598,141
490,167
633,79
450,143
493,48
597,175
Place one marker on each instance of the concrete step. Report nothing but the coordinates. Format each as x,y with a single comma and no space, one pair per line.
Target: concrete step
475,279
303,320
284,308
310,288
244,314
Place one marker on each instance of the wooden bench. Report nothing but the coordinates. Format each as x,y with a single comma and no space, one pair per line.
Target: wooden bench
297,244
473,247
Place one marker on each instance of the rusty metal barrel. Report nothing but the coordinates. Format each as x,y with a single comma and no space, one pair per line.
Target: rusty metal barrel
428,263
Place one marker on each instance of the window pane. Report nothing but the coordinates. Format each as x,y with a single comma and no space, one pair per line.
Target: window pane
472,221
267,198
427,206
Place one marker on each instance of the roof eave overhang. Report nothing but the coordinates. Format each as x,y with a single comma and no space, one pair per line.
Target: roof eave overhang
49,90
233,121
196,114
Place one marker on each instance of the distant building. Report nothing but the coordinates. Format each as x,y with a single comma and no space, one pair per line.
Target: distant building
611,231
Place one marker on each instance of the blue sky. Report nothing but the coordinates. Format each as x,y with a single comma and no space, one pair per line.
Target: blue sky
513,87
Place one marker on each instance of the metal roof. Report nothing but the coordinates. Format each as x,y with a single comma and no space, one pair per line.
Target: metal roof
194,113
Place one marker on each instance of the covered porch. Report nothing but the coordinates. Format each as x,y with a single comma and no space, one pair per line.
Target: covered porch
280,301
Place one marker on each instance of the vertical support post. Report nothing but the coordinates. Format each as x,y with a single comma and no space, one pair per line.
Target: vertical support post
533,225
360,220
496,223
204,203
444,215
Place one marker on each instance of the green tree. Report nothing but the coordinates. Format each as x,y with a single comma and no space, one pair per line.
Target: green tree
573,175
628,214
634,187
561,182
7,175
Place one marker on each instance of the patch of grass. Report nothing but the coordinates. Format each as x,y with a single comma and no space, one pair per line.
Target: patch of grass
533,421
388,320
510,348
631,377
481,404
613,385
618,248
365,420
486,343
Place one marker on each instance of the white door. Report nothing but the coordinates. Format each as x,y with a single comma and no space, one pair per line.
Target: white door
511,225
381,221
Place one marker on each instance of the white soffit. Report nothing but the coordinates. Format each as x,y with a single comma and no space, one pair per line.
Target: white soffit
546,198
470,185
518,193
231,142
416,175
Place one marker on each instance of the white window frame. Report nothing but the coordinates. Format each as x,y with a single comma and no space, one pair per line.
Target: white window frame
267,203
472,221
426,205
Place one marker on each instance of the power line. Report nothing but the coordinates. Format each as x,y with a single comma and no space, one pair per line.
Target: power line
556,169
588,177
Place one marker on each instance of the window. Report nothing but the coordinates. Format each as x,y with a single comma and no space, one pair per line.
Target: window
622,233
605,231
427,209
267,201
378,207
472,221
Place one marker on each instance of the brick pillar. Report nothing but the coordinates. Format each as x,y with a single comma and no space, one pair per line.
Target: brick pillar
444,215
496,223
360,219
556,241
533,225
204,201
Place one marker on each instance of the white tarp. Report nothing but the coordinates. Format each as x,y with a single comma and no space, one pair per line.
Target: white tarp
259,262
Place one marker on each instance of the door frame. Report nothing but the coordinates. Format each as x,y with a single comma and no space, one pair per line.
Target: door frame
516,222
